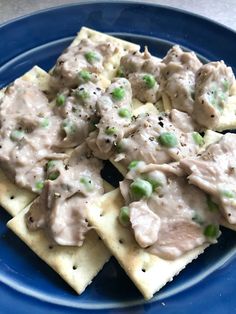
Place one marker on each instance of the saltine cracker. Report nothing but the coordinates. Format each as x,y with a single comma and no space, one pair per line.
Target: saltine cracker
76,265
148,272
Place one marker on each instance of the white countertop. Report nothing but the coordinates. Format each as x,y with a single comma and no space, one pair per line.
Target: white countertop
221,11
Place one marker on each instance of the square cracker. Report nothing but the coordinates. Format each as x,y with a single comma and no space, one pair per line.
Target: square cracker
76,265
148,272
13,198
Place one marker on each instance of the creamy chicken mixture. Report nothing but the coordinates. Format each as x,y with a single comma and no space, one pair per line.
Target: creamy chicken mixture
80,63
34,131
178,78
114,108
143,72
159,139
215,172
213,83
26,122
61,207
168,215
77,111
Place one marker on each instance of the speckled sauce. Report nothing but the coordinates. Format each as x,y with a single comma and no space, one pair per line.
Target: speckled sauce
98,124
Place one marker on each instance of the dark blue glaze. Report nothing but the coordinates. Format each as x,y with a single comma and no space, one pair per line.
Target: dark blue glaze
27,284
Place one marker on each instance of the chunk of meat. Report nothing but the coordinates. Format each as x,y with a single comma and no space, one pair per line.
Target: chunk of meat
215,173
61,207
178,78
213,83
145,224
115,111
26,121
175,218
142,139
143,71
88,56
78,114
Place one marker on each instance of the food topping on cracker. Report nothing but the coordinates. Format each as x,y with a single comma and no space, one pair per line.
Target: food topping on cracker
213,83
106,100
215,173
81,63
169,217
143,72
158,138
114,109
61,208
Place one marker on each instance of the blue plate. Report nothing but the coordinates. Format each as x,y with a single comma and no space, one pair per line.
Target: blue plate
27,284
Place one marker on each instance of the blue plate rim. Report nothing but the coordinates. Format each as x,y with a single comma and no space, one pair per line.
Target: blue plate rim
74,4
147,4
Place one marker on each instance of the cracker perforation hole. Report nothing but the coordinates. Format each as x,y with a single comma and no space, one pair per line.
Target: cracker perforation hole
99,238
121,241
143,270
50,247
12,197
74,267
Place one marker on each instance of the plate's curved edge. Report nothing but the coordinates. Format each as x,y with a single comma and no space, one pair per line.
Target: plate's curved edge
129,2
124,2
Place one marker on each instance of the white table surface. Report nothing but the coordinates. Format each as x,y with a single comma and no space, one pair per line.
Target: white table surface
222,11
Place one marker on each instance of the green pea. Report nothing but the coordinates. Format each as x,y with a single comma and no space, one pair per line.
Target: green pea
60,100
124,113
68,126
222,96
133,164
225,85
118,93
168,139
51,164
120,72
156,178
124,217
211,231
44,123
16,135
53,175
227,193
82,94
85,75
39,185
198,139
91,56
212,206
87,182
140,188
149,80
111,130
